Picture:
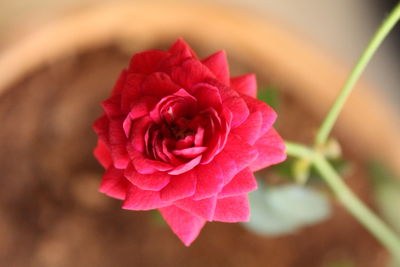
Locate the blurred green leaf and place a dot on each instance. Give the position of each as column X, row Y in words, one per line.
column 284, row 209
column 341, row 263
column 269, row 95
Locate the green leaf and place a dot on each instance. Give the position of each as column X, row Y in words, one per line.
column 269, row 95
column 285, row 209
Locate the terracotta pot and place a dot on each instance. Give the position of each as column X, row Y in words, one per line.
column 306, row 76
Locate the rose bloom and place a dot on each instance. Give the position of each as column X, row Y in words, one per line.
column 179, row 135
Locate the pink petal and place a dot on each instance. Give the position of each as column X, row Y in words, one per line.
column 236, row 156
column 102, row 154
column 207, row 96
column 189, row 152
column 271, row 150
column 158, row 84
column 245, row 84
column 218, row 64
column 111, row 106
column 147, row 62
column 268, row 114
column 190, row 72
column 147, row 166
column 198, row 138
column 154, row 182
column 184, row 224
column 126, row 125
column 114, row 183
column 131, row 91
column 204, row 208
column 181, row 48
column 250, row 129
column 119, row 85
column 139, row 128
column 186, row 166
column 210, row 180
column 100, row 126
column 138, row 199
column 236, row 104
column 243, row 182
column 118, row 142
column 180, row 186
column 232, row 209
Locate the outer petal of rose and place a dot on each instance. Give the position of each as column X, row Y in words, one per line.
column 210, row 180
column 236, row 156
column 102, row 154
column 204, row 208
column 184, row 224
column 120, row 83
column 111, row 106
column 245, row 84
column 232, row 209
column 218, row 64
column 250, row 129
column 271, row 150
column 236, row 104
column 147, row 61
column 158, row 84
column 100, row 126
column 130, row 93
column 114, row 183
column 243, row 182
column 118, row 141
column 154, row 182
column 138, row 199
column 181, row 48
column 179, row 187
column 190, row 72
column 207, row 96
column 268, row 114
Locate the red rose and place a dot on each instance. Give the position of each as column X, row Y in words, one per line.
column 179, row 135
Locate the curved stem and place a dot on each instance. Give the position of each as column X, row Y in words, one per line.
column 366, row 56
column 364, row 215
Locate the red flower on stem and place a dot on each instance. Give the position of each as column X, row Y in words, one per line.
column 179, row 135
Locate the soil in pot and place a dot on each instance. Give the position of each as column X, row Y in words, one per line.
column 52, row 214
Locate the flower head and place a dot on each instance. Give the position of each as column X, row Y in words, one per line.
column 179, row 135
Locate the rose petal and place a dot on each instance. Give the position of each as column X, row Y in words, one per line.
column 158, row 84
column 118, row 143
column 180, row 186
column 102, row 154
column 218, row 64
column 139, row 128
column 190, row 72
column 268, row 114
column 250, row 129
column 181, row 48
column 111, row 106
column 245, row 84
column 120, row 83
column 189, row 152
column 138, row 199
column 232, row 209
column 207, row 96
column 154, row 182
column 271, row 150
column 243, row 182
column 100, row 126
column 148, row 61
column 114, row 183
column 210, row 180
column 147, row 166
column 204, row 208
column 230, row 161
column 184, row 224
column 186, row 166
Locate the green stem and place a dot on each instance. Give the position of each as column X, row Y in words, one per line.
column 366, row 56
column 364, row 215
